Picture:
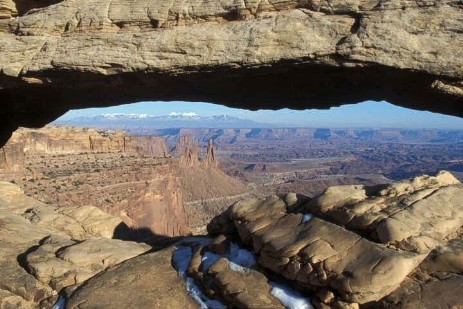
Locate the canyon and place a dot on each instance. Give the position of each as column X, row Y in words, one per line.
column 132, row 177
column 69, row 255
column 72, row 203
column 85, row 213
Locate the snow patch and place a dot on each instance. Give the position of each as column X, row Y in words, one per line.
column 238, row 268
column 60, row 303
column 241, row 257
column 184, row 115
column 182, row 258
column 307, row 218
column 208, row 260
column 204, row 302
column 240, row 260
column 290, row 298
column 123, row 115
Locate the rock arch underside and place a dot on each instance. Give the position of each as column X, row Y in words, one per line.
column 55, row 56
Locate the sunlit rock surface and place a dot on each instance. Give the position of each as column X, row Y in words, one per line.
column 251, row 54
column 41, row 252
column 69, row 140
column 421, row 218
column 261, row 253
column 147, row 281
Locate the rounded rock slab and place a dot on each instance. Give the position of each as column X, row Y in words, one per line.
column 147, row 281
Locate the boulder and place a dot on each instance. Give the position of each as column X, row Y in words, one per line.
column 146, row 281
column 398, row 225
column 44, row 249
column 61, row 263
column 413, row 215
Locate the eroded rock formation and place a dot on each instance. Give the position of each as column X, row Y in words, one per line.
column 188, row 151
column 363, row 244
column 132, row 177
column 69, row 140
column 46, row 250
column 207, row 190
column 158, row 208
column 210, row 154
column 251, row 54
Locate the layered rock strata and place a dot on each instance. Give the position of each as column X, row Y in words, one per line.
column 250, row 54
column 67, row 140
column 132, row 177
column 410, row 215
column 45, row 249
column 355, row 265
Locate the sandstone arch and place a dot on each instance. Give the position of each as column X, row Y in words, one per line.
column 251, row 54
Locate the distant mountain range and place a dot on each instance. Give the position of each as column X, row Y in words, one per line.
column 137, row 122
column 229, row 129
column 231, row 136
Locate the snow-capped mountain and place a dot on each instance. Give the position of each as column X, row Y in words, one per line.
column 123, row 116
column 173, row 120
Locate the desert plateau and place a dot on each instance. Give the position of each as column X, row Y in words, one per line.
column 298, row 154
column 204, row 213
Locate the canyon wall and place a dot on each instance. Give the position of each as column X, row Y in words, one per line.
column 158, row 209
column 67, row 140
column 132, row 177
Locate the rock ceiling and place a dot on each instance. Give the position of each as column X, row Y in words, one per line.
column 55, row 56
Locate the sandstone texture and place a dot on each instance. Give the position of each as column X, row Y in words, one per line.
column 250, row 54
column 158, row 208
column 44, row 249
column 223, row 274
column 257, row 246
column 360, row 244
column 411, row 215
column 68, row 140
column 132, row 177
column 147, row 281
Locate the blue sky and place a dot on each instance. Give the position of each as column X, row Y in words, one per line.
column 366, row 114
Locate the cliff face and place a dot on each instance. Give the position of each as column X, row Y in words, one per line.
column 250, row 54
column 188, row 151
column 158, row 209
column 207, row 190
column 153, row 146
column 127, row 176
column 67, row 140
column 132, row 177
